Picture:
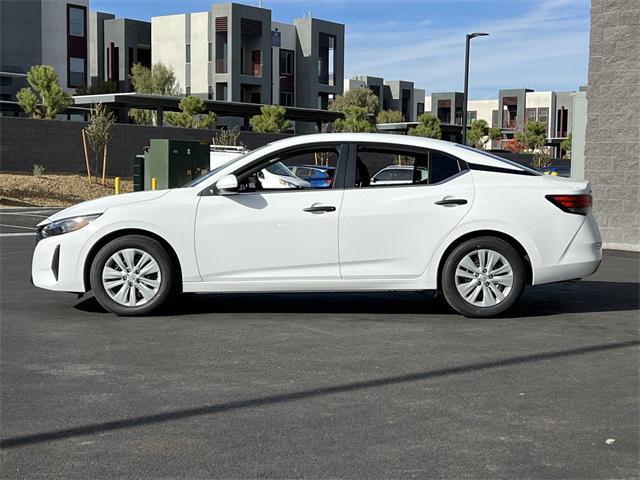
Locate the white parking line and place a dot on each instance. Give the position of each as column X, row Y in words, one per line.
column 16, row 235
column 16, row 226
column 24, row 214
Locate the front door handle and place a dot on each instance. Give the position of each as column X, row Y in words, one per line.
column 320, row 208
column 452, row 201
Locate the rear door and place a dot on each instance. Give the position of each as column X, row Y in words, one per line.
column 392, row 231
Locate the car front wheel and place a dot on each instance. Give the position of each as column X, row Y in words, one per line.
column 483, row 277
column 132, row 275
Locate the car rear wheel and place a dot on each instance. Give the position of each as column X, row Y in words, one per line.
column 132, row 275
column 483, row 277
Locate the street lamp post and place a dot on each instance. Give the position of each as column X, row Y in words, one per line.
column 466, row 83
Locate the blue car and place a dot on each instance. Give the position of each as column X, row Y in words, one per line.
column 319, row 176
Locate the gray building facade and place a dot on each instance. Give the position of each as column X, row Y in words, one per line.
column 447, row 107
column 237, row 53
column 612, row 150
column 319, row 62
column 512, row 110
column 396, row 95
column 43, row 32
column 116, row 45
column 400, row 95
column 242, row 44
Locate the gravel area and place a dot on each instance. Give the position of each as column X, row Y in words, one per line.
column 21, row 190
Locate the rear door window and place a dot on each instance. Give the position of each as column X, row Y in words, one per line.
column 390, row 165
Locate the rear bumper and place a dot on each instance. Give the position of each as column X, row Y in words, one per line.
column 581, row 258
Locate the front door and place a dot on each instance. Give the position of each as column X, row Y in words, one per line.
column 399, row 205
column 277, row 228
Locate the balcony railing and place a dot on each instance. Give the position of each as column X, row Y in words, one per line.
column 221, row 65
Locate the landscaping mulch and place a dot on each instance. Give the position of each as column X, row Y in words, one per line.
column 49, row 190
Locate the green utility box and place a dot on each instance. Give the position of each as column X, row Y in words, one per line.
column 173, row 163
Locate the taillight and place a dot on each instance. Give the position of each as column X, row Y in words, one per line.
column 580, row 204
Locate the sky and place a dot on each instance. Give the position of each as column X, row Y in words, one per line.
column 538, row 44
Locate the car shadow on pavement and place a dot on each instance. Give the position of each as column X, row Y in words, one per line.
column 553, row 299
column 218, row 408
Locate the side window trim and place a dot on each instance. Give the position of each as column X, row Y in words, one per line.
column 350, row 177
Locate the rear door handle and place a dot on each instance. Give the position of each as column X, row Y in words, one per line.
column 320, row 208
column 452, row 201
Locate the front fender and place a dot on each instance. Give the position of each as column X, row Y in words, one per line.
column 172, row 223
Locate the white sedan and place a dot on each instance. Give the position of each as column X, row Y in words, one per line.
column 476, row 228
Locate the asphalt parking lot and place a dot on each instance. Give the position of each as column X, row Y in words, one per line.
column 319, row 386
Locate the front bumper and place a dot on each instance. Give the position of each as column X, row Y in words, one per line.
column 57, row 265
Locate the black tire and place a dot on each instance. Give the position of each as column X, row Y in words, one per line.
column 147, row 245
column 448, row 279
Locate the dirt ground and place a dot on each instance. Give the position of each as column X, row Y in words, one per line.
column 49, row 190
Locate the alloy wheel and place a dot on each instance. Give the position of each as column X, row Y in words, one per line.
column 484, row 278
column 131, row 277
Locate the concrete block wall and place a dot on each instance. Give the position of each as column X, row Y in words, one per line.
column 612, row 150
column 57, row 144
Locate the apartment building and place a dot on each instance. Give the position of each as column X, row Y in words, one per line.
column 399, row 95
column 511, row 111
column 35, row 32
column 237, row 53
column 116, row 44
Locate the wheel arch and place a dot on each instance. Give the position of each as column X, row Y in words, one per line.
column 121, row 233
column 487, row 233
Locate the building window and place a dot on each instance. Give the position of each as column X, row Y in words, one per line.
column 144, row 57
column 188, row 91
column 531, row 115
column 323, row 101
column 543, row 115
column 443, row 111
column 76, row 71
column 188, row 53
column 286, row 99
column 76, row 46
column 494, row 118
column 509, row 112
column 562, row 121
column 221, row 91
column 221, row 44
column 113, row 63
column 210, row 52
column 131, row 60
column 286, row 62
column 76, row 21
column 327, row 59
column 420, row 109
column 471, row 116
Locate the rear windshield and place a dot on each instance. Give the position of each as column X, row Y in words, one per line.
column 501, row 159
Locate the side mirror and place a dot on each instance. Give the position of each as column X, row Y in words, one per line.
column 227, row 185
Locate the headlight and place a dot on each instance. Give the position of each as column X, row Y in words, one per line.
column 65, row 225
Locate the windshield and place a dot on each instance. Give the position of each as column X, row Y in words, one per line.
column 219, row 168
column 501, row 159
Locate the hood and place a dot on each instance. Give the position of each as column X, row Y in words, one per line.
column 100, row 205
